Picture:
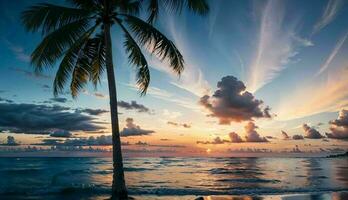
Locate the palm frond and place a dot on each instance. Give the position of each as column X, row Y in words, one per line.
column 69, row 61
column 81, row 72
column 85, row 4
column 160, row 45
column 48, row 17
column 153, row 9
column 98, row 59
column 129, row 6
column 137, row 58
column 200, row 7
column 55, row 44
column 197, row 6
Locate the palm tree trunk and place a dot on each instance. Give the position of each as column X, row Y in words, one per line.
column 119, row 190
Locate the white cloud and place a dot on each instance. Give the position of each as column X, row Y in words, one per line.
column 316, row 97
column 332, row 55
column 330, row 12
column 192, row 79
column 277, row 45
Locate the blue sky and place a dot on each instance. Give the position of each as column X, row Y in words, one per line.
column 289, row 54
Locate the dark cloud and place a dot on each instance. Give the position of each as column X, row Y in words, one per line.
column 59, row 99
column 250, row 150
column 285, row 135
column 5, row 100
column 296, row 149
column 133, row 105
column 140, row 143
column 297, row 137
column 92, row 111
column 45, row 86
column 10, row 141
column 90, row 141
column 231, row 103
column 235, row 138
column 132, row 129
column 252, row 135
column 179, row 124
column 216, row 140
column 100, row 95
column 339, row 126
column 43, row 119
column 61, row 133
column 311, row 133
column 294, row 137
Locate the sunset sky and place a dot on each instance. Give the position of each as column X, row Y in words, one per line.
column 258, row 74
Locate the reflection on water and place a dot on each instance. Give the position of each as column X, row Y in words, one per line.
column 163, row 177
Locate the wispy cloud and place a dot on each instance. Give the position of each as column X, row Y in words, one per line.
column 277, row 45
column 316, row 98
column 18, row 51
column 332, row 55
column 168, row 96
column 192, row 79
column 330, row 12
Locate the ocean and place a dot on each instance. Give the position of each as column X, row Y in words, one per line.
column 175, row 178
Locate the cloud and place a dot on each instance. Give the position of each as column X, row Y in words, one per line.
column 167, row 96
column 276, row 46
column 216, row 140
column 297, row 137
column 235, row 138
column 42, row 119
column 332, row 55
column 179, row 124
column 317, row 97
column 132, row 129
column 140, row 143
column 45, row 86
column 330, row 12
column 231, row 103
column 31, row 74
column 311, row 133
column 5, row 100
column 192, row 79
column 296, row 149
column 133, row 105
column 252, row 135
column 339, row 126
column 18, row 51
column 285, row 135
column 90, row 141
column 100, row 95
column 59, row 99
column 294, row 137
column 10, row 141
column 92, row 111
column 61, row 133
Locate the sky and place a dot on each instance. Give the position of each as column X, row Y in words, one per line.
column 260, row 76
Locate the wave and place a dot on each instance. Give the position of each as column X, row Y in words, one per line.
column 248, row 180
column 147, row 190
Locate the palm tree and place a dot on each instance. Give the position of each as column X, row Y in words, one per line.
column 79, row 37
